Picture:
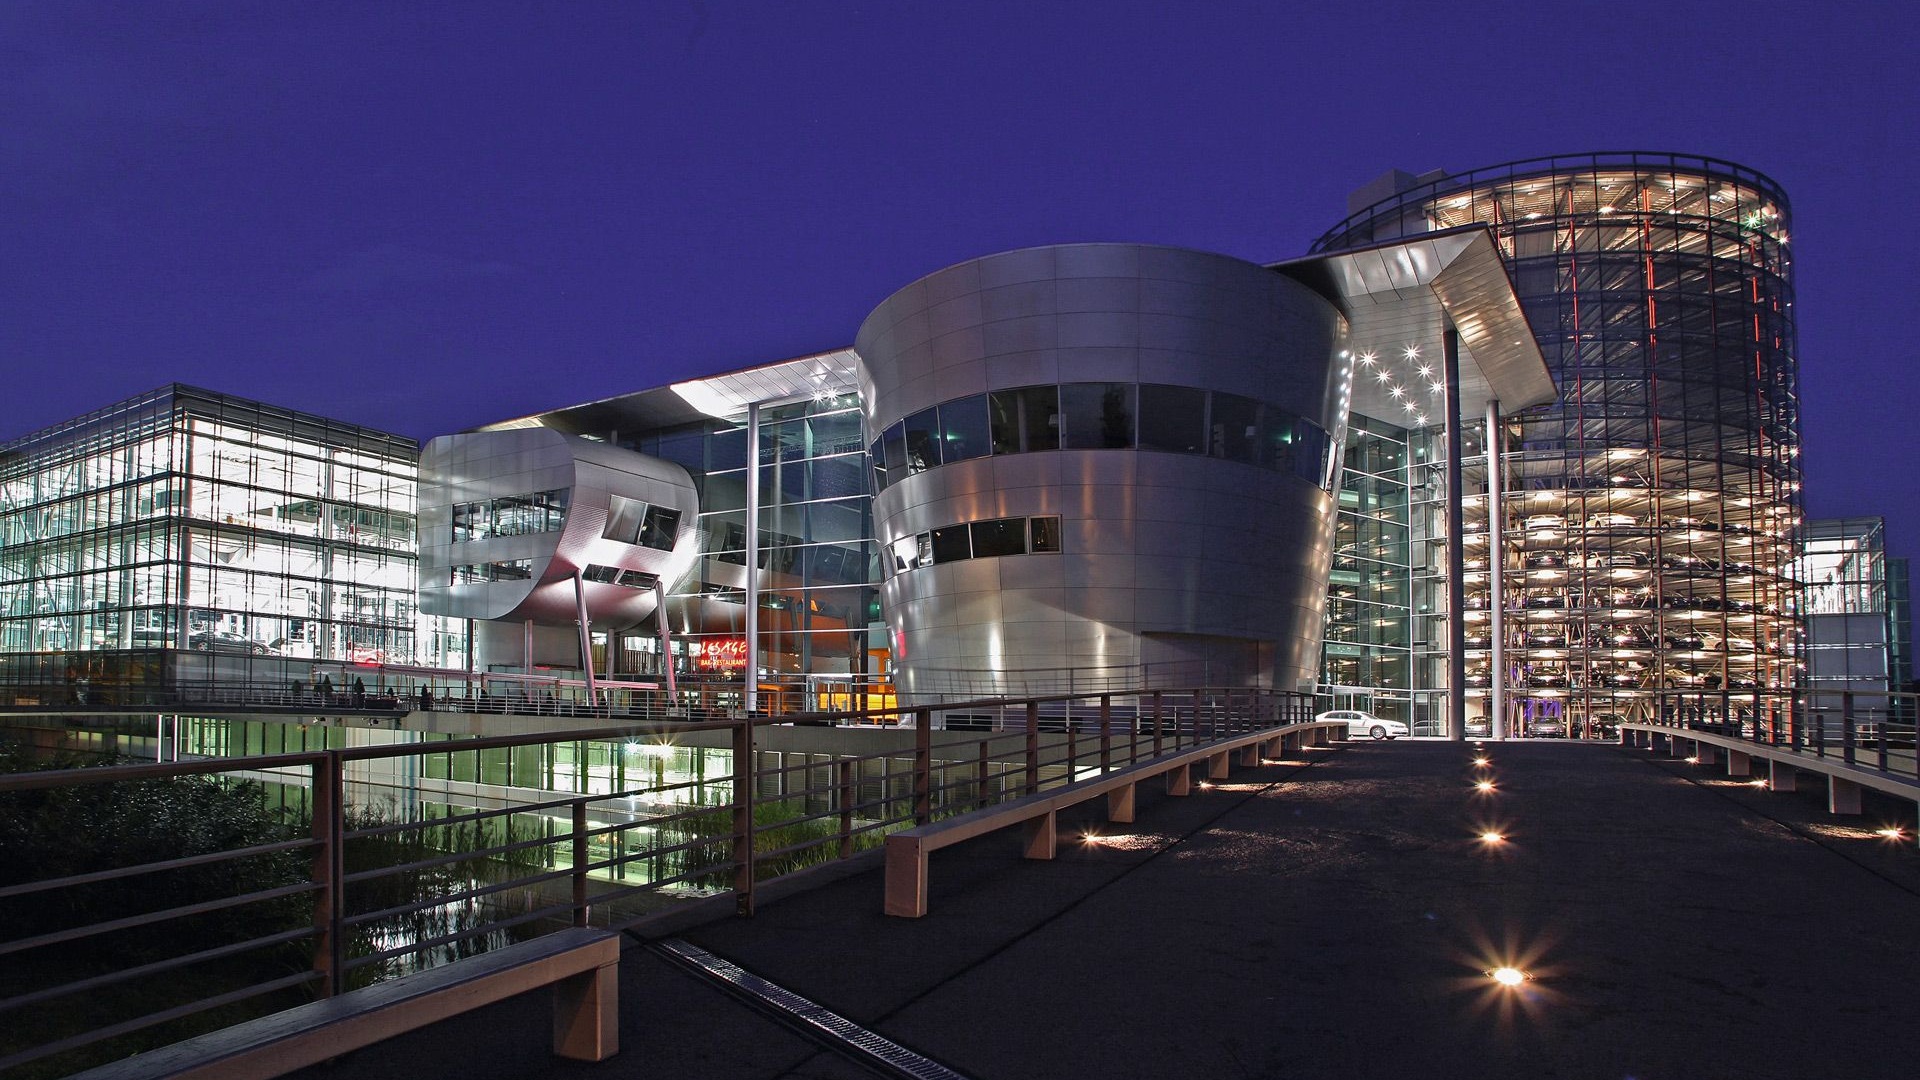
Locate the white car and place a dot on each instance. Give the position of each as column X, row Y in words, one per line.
column 1367, row 724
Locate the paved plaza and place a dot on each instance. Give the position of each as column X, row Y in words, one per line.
column 1333, row 916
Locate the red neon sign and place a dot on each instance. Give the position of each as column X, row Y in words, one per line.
column 727, row 654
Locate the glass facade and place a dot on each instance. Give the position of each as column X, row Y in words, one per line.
column 1652, row 515
column 1369, row 633
column 1859, row 629
column 186, row 535
column 817, row 556
column 1102, row 416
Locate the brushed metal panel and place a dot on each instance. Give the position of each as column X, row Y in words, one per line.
column 1095, row 363
column 1027, row 264
column 1098, row 260
column 1022, row 300
column 1097, row 294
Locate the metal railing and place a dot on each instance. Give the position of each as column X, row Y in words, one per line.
column 1867, row 729
column 346, row 893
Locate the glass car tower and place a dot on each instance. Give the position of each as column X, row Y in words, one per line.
column 1652, row 514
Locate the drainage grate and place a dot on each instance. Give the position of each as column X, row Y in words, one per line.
column 835, row 1031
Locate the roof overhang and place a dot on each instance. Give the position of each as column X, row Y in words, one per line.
column 1399, row 298
column 725, row 396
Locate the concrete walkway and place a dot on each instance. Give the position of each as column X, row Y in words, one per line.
column 1332, row 919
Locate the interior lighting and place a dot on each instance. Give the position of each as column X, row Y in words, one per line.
column 1368, row 358
column 1384, row 375
column 1412, row 352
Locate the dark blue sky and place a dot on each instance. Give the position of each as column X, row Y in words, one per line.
column 427, row 216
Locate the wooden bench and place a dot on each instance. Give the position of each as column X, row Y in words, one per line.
column 581, row 964
column 908, row 850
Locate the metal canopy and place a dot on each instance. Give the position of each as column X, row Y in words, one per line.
column 1399, row 297
column 724, row 396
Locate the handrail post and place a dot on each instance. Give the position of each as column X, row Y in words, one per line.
column 1847, row 733
column 983, row 772
column 844, row 770
column 744, row 796
column 1033, row 746
column 579, row 862
column 922, row 766
column 1106, row 733
column 328, row 828
column 1159, row 724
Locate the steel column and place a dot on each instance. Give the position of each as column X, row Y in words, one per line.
column 1496, row 574
column 751, row 698
column 1456, row 551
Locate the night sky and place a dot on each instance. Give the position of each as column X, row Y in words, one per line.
column 426, row 216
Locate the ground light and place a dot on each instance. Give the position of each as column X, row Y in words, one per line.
column 1507, row 976
column 1483, row 785
column 1482, row 762
column 1693, row 761
column 1757, row 783
column 1491, row 837
column 1891, row 832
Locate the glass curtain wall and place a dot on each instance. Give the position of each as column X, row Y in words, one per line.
column 1855, row 614
column 1653, row 513
column 1368, row 644
column 817, row 557
column 235, row 535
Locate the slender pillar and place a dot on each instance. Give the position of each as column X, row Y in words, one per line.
column 752, row 674
column 586, row 634
column 666, row 634
column 1456, row 551
column 1496, row 573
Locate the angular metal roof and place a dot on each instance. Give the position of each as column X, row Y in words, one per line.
column 1399, row 297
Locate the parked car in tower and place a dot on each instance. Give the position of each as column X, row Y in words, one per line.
column 1610, row 521
column 1546, row 727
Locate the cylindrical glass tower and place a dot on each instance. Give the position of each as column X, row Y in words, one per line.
column 1652, row 514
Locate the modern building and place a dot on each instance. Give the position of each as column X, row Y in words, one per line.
column 184, row 538
column 1050, row 469
column 1645, row 525
column 1859, row 622
column 1099, row 464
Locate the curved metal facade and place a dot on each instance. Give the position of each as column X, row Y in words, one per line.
column 1652, row 512
column 509, row 518
column 1106, row 458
